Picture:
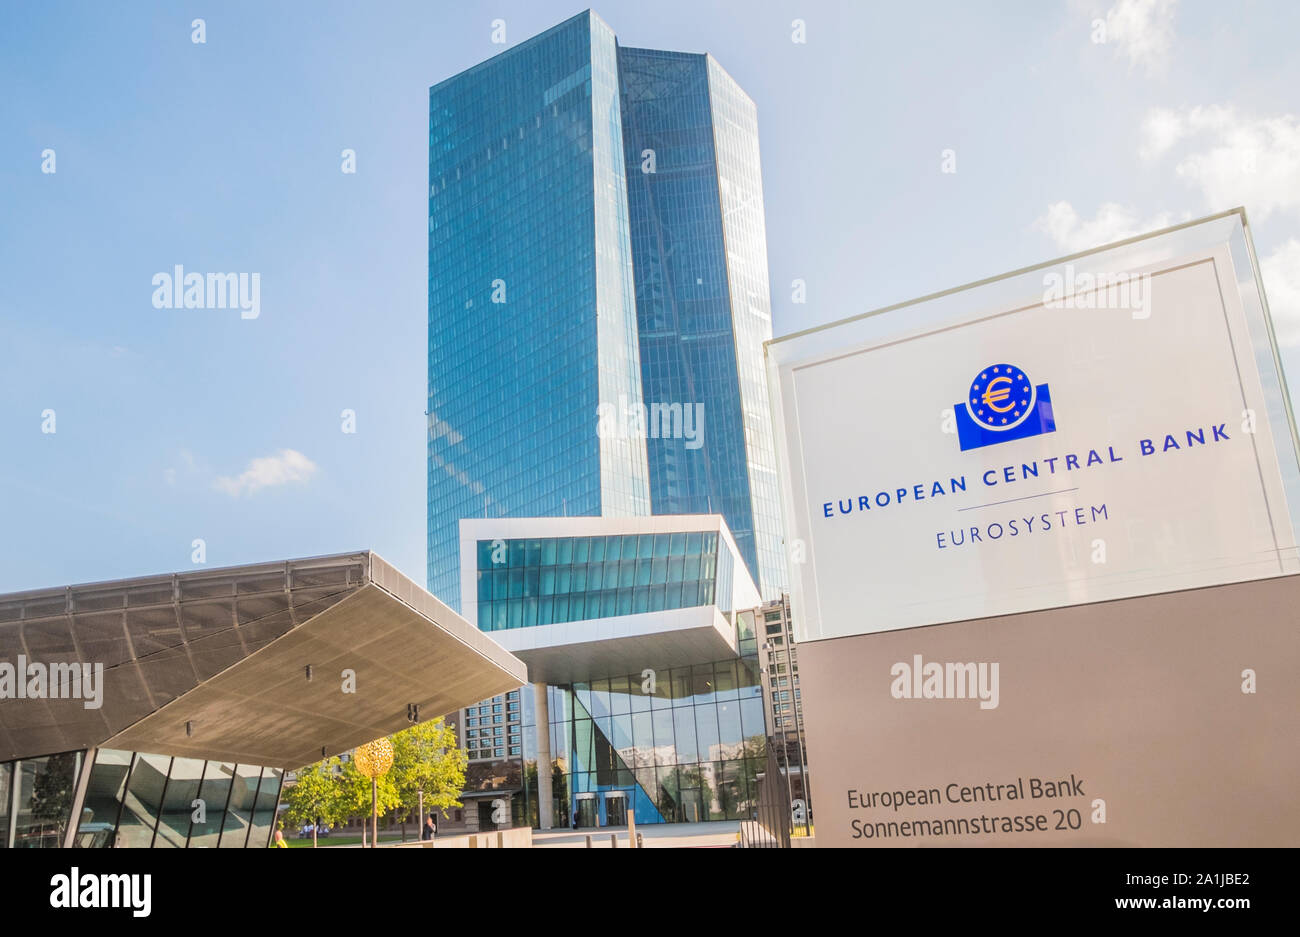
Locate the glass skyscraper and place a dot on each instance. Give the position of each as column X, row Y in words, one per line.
column 699, row 251
column 596, row 241
column 532, row 321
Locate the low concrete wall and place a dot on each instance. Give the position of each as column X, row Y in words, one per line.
column 519, row 838
column 803, row 842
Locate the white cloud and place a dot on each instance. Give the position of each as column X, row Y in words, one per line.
column 1113, row 222
column 1281, row 273
column 1161, row 129
column 1143, row 30
column 288, row 465
column 1232, row 158
column 189, row 465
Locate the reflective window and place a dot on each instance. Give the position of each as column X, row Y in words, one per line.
column 729, row 732
column 44, row 788
column 177, row 805
column 529, row 143
column 268, row 798
column 706, row 730
column 140, row 800
column 239, row 809
column 677, row 750
column 684, row 730
column 214, row 792
column 619, row 577
column 144, row 793
column 107, row 784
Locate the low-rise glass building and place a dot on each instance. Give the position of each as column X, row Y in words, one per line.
column 640, row 642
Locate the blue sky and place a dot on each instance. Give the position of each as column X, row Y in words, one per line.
column 172, row 425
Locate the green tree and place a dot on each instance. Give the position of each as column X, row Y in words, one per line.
column 426, row 759
column 52, row 795
column 356, row 788
column 319, row 796
column 754, row 764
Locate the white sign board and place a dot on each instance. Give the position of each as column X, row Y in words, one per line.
column 1086, row 444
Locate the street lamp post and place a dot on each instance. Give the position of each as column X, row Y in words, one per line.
column 373, row 759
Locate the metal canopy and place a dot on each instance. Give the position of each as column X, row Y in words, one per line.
column 213, row 664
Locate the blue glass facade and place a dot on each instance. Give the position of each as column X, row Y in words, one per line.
column 569, row 274
column 685, row 748
column 523, row 583
column 699, row 250
column 683, row 744
column 596, row 239
column 744, row 231
column 693, row 349
column 531, row 313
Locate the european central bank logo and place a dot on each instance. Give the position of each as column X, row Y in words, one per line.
column 1003, row 404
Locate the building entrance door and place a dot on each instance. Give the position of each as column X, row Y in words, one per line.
column 615, row 808
column 586, row 807
column 692, row 806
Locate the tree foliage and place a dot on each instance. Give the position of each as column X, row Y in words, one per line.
column 52, row 791
column 357, row 788
column 426, row 758
column 319, row 795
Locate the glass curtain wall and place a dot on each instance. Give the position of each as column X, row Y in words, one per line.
column 143, row 800
column 695, row 203
column 522, row 583
column 683, row 745
column 37, row 800
column 532, row 319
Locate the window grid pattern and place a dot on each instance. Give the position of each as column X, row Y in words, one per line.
column 740, row 185
column 703, row 309
column 144, row 800
column 492, row 728
column 36, row 800
column 531, row 316
column 523, row 583
column 686, row 747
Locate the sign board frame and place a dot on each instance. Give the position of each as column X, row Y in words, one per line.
column 824, row 603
